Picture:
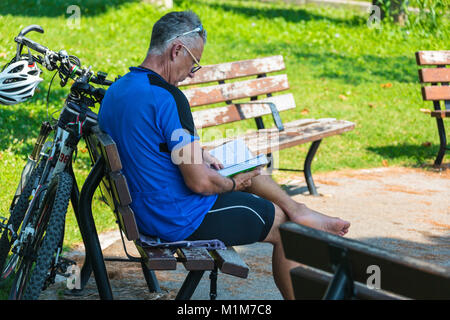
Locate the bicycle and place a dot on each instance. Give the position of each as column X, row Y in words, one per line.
column 34, row 233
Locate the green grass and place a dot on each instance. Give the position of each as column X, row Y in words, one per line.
column 336, row 66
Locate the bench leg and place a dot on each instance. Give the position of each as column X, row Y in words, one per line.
column 341, row 286
column 307, row 167
column 189, row 285
column 86, row 269
column 213, row 286
column 89, row 232
column 150, row 278
column 443, row 142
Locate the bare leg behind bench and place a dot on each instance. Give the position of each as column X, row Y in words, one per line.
column 264, row 186
column 286, row 209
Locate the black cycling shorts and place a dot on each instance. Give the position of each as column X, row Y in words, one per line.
column 237, row 218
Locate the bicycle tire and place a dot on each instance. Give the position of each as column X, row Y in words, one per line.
column 49, row 236
column 18, row 213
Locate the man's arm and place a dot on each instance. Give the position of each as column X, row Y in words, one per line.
column 201, row 178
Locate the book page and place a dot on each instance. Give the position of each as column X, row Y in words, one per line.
column 236, row 157
column 232, row 152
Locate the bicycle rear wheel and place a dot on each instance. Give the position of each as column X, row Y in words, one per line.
column 40, row 253
column 17, row 215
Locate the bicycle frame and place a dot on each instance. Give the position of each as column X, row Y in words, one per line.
column 63, row 154
column 74, row 123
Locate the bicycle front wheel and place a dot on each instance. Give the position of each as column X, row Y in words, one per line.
column 40, row 254
column 17, row 216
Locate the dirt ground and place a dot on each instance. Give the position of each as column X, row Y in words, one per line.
column 399, row 209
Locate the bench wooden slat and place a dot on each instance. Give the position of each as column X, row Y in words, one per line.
column 158, row 259
column 235, row 112
column 230, row 262
column 434, row 75
column 129, row 222
column 119, row 187
column 310, row 283
column 126, row 217
column 425, row 58
column 403, row 275
column 236, row 69
column 236, row 90
column 436, row 93
column 296, row 132
column 109, row 151
column 196, row 259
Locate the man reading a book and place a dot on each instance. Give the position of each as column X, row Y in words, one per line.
column 150, row 120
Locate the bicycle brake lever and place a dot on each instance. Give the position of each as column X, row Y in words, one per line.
column 22, row 33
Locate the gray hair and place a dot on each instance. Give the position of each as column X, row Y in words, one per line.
column 172, row 26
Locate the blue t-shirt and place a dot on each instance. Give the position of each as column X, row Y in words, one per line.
column 148, row 118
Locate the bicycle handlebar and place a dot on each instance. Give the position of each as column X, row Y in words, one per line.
column 31, row 44
column 52, row 57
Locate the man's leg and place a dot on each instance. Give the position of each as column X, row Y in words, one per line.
column 239, row 218
column 264, row 186
column 280, row 265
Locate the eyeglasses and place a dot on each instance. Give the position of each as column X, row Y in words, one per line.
column 197, row 65
column 199, row 29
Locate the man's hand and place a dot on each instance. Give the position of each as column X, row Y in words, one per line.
column 203, row 179
column 244, row 180
column 211, row 161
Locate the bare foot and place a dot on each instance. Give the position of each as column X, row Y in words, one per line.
column 316, row 220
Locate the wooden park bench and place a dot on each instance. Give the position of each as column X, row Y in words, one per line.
column 253, row 98
column 336, row 268
column 243, row 99
column 438, row 94
column 107, row 175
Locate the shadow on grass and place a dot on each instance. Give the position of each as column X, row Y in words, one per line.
column 348, row 69
column 421, row 154
column 366, row 68
column 52, row 8
column 18, row 129
column 20, row 124
column 292, row 14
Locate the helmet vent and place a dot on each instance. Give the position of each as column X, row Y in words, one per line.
column 14, row 89
column 16, row 69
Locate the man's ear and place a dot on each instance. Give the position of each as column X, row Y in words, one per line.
column 175, row 51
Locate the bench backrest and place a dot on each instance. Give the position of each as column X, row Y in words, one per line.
column 437, row 74
column 113, row 186
column 401, row 275
column 233, row 93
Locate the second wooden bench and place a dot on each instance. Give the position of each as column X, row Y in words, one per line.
column 438, row 94
column 251, row 98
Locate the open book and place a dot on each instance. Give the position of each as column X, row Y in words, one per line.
column 236, row 157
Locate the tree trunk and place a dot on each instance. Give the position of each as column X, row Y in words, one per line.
column 396, row 9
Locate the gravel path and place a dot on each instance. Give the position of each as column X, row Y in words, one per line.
column 403, row 210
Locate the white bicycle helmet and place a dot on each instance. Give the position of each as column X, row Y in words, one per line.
column 18, row 82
